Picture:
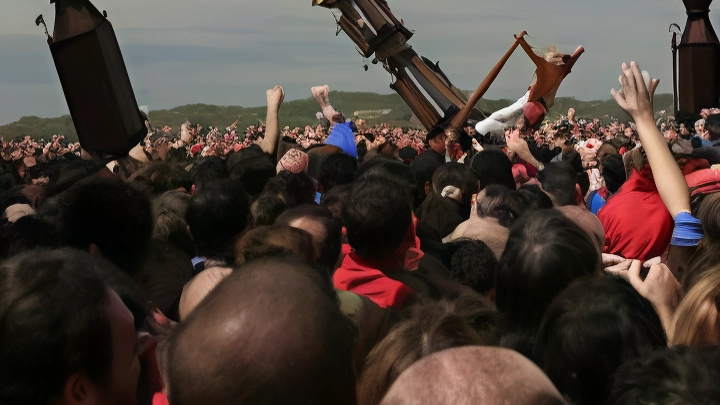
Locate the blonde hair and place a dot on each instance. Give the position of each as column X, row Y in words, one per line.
column 696, row 318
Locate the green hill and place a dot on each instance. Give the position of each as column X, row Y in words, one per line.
column 302, row 112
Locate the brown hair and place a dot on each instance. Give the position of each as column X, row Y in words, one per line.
column 696, row 318
column 432, row 327
column 708, row 253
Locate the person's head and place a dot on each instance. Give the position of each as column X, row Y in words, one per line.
column 275, row 241
column 325, row 229
column 295, row 188
column 252, row 167
column 591, row 328
column 678, row 375
column 545, row 252
column 431, row 328
column 436, row 139
column 336, row 170
column 473, row 264
column 169, row 225
column 67, row 337
column 266, row 208
column 613, row 171
column 105, row 217
column 697, row 318
column 559, row 181
column 496, row 201
column 158, row 177
column 473, row 375
column 335, row 199
column 493, row 167
column 269, row 308
column 217, row 213
column 377, row 216
column 457, row 175
column 712, row 125
column 208, row 169
column 708, row 254
column 28, row 232
column 534, row 196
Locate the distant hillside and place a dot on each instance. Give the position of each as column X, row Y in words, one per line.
column 302, row 112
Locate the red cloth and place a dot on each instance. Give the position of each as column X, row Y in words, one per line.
column 636, row 222
column 362, row 277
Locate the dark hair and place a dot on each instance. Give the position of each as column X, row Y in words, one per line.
column 328, row 249
column 493, row 167
column 473, row 264
column 386, row 166
column 336, row 170
column 54, row 323
column 496, row 201
column 335, row 199
column 544, row 253
column 589, row 330
column 429, row 328
column 252, row 167
column 377, row 216
column 613, row 172
column 158, row 177
column 458, row 175
column 28, row 232
column 208, row 169
column 169, row 210
column 295, row 188
column 679, row 375
column 266, row 208
column 559, row 180
column 536, row 198
column 108, row 213
column 275, row 241
column 217, row 213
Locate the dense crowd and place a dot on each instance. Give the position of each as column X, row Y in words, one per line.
column 576, row 262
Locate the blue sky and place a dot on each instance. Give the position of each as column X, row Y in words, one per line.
column 228, row 52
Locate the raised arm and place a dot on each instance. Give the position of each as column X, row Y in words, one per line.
column 636, row 99
column 275, row 98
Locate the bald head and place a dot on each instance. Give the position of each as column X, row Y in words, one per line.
column 272, row 332
column 473, row 375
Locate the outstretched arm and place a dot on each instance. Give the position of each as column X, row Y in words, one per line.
column 275, row 98
column 636, row 99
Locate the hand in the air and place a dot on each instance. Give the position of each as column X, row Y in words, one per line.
column 275, row 96
column 635, row 97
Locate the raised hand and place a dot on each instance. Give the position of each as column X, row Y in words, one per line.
column 635, row 96
column 275, row 96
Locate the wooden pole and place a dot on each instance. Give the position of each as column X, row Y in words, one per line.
column 461, row 116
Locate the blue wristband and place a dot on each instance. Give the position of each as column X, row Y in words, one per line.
column 688, row 230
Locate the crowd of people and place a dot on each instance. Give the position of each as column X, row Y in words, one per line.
column 573, row 263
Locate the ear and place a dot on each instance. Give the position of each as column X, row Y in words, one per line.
column 427, row 188
column 77, row 390
column 490, row 295
column 94, row 250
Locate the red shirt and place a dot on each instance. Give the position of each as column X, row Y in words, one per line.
column 362, row 277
